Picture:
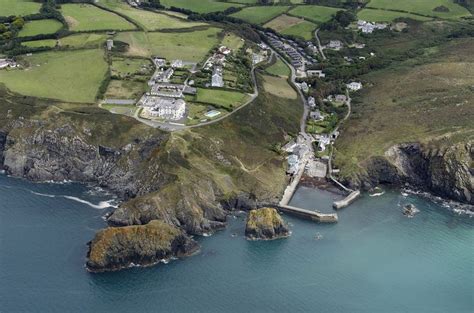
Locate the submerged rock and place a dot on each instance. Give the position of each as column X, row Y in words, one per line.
column 115, row 248
column 265, row 224
column 410, row 210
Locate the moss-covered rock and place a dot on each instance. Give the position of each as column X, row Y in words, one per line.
column 265, row 224
column 115, row 248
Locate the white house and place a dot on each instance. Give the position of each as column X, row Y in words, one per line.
column 354, row 86
column 311, row 102
column 217, row 80
column 177, row 63
column 335, row 45
column 313, row 73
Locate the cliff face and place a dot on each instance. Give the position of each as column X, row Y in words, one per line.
column 265, row 224
column 445, row 171
column 115, row 248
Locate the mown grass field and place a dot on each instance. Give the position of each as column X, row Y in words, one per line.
column 73, row 76
column 127, row 66
column 199, row 6
column 260, row 15
column 188, row 46
column 420, row 100
column 424, row 7
column 290, row 25
column 279, row 87
column 39, row 27
column 387, row 16
column 18, row 7
column 279, row 68
column 314, row 13
column 84, row 17
column 221, row 98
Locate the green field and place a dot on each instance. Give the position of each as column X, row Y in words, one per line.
column 232, row 41
column 127, row 66
column 18, row 7
column 278, row 86
column 200, row 6
column 188, row 46
column 260, row 15
column 149, row 20
column 278, row 68
column 125, row 89
column 73, row 76
column 40, row 43
column 314, row 13
column 39, row 27
column 424, row 7
column 221, row 98
column 290, row 25
column 387, row 16
column 84, row 17
column 83, row 40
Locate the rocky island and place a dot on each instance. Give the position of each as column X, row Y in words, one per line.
column 265, row 224
column 115, row 248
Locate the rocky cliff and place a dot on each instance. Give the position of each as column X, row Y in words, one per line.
column 265, row 224
column 115, row 248
column 445, row 170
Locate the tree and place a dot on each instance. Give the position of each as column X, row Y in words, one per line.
column 18, row 22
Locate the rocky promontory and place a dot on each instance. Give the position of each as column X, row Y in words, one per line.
column 265, row 224
column 115, row 248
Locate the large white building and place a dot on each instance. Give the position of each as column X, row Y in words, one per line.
column 165, row 108
column 217, row 80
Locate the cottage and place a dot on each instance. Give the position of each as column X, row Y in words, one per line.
column 159, row 62
column 324, row 140
column 293, row 163
column 316, row 115
column 304, row 87
column 335, row 45
column 224, row 50
column 315, row 73
column 217, row 80
column 354, row 86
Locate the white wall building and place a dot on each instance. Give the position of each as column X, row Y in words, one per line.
column 354, row 86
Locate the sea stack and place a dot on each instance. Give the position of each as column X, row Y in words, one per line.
column 265, row 224
column 115, row 248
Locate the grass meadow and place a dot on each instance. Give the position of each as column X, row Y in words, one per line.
column 314, row 13
column 387, row 16
column 424, row 7
column 39, row 27
column 18, row 7
column 278, row 86
column 40, row 43
column 189, row 46
column 199, row 6
column 290, row 25
column 260, row 15
column 85, row 17
column 221, row 98
column 73, row 76
column 279, row 68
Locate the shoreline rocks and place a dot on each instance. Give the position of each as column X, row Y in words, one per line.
column 265, row 224
column 116, row 248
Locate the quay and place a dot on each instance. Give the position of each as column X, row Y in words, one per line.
column 347, row 200
column 308, row 214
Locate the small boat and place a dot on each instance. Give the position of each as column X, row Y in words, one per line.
column 410, row 210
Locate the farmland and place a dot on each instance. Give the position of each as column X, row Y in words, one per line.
column 221, row 98
column 199, row 6
column 73, row 76
column 260, row 15
column 314, row 13
column 189, row 46
column 423, row 7
column 387, row 16
column 85, row 17
column 39, row 27
column 232, row 41
column 149, row 20
column 18, row 7
column 83, row 40
column 40, row 43
column 290, row 25
column 121, row 89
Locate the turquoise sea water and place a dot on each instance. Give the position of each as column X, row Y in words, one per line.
column 373, row 260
